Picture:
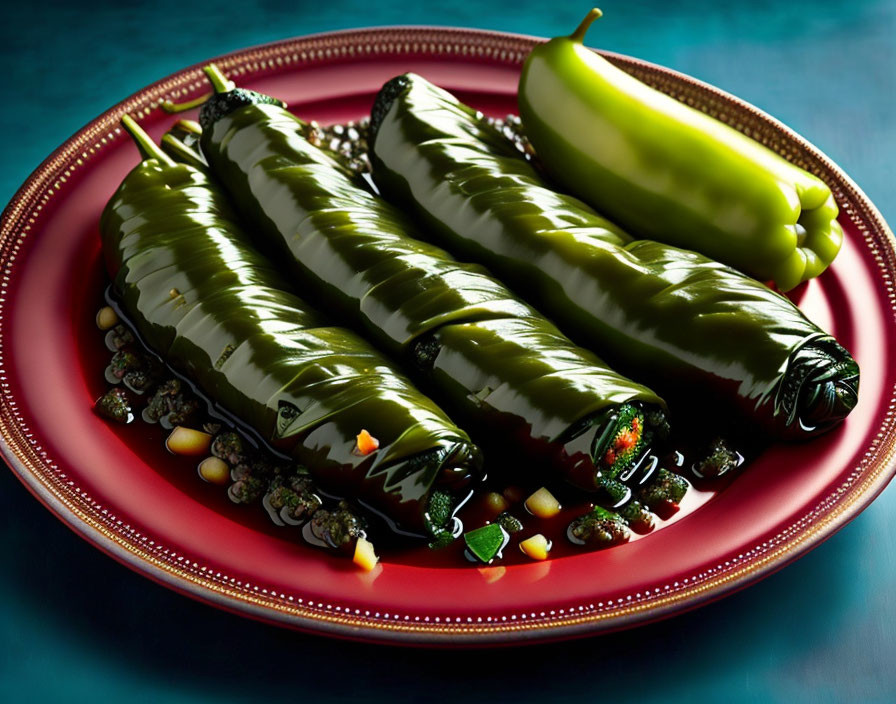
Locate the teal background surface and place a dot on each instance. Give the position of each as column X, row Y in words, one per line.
column 77, row 626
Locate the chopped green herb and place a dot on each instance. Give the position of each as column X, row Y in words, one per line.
column 626, row 442
column 613, row 491
column 439, row 510
column 442, row 539
column 487, row 542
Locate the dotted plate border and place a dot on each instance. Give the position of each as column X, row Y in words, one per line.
column 40, row 473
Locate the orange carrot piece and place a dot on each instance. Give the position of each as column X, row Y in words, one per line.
column 366, row 443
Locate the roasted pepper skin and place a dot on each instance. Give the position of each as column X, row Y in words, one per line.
column 668, row 172
column 219, row 313
column 691, row 327
column 481, row 351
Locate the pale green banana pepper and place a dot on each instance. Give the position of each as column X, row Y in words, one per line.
column 670, row 173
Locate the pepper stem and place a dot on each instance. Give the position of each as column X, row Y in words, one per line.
column 579, row 35
column 218, row 80
column 148, row 148
column 179, row 151
column 173, row 108
column 190, row 126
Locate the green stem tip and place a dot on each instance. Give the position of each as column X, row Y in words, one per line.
column 218, row 80
column 173, row 108
column 180, row 152
column 190, row 126
column 579, row 35
column 148, row 148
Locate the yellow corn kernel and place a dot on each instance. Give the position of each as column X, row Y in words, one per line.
column 186, row 441
column 214, row 470
column 106, row 318
column 537, row 547
column 543, row 504
column 364, row 556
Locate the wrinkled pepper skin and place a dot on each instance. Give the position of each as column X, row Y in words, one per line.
column 220, row 314
column 492, row 359
column 689, row 326
column 668, row 172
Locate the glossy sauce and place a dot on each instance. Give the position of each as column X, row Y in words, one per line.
column 182, row 471
column 475, row 514
column 149, row 439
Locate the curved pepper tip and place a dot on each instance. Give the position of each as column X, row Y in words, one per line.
column 820, row 388
column 461, row 466
column 222, row 104
column 219, row 81
column 388, row 93
column 148, row 149
column 227, row 98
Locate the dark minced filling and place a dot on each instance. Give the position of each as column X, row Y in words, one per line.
column 222, row 104
column 384, row 99
column 627, row 432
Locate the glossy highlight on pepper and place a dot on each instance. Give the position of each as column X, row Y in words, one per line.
column 668, row 172
column 702, row 333
column 219, row 313
column 490, row 358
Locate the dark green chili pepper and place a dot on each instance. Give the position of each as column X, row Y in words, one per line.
column 219, row 313
column 689, row 326
column 493, row 358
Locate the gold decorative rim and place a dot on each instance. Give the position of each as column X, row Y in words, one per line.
column 39, row 472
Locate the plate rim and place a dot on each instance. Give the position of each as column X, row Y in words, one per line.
column 36, row 472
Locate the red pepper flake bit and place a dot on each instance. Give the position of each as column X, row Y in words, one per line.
column 366, row 443
column 626, row 440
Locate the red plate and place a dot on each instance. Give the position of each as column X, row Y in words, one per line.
column 84, row 471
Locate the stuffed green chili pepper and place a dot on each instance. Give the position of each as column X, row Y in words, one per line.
column 671, row 317
column 218, row 312
column 490, row 357
column 668, row 172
